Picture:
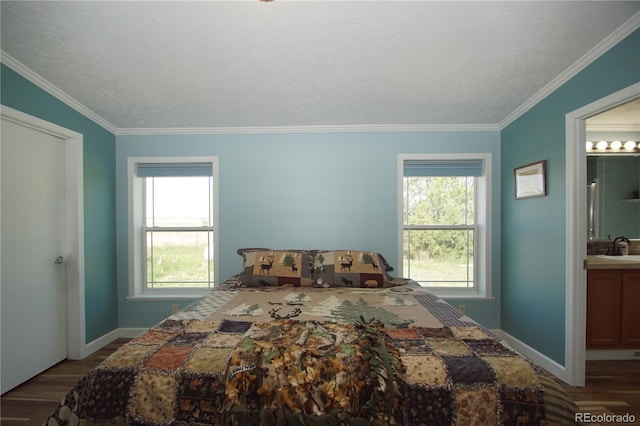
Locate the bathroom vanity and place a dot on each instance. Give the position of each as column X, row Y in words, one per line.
column 613, row 302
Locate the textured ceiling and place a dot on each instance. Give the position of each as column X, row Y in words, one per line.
column 293, row 63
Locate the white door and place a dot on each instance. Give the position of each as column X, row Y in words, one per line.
column 33, row 292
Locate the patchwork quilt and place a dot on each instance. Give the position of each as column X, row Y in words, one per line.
column 316, row 356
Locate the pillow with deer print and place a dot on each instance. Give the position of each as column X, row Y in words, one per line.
column 267, row 267
column 350, row 268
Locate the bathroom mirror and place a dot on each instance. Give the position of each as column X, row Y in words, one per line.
column 613, row 174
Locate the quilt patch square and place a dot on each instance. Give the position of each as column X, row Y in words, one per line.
column 200, row 399
column 202, row 326
column 108, row 394
column 187, row 339
column 404, row 334
column 407, row 340
column 168, row 358
column 228, row 326
column 470, row 333
column 152, row 337
column 513, row 371
column 428, row 406
column 425, row 369
column 171, row 325
column 153, row 398
column 223, row 340
column 449, row 347
column 522, row 408
column 444, row 332
column 476, row 406
column 488, row 347
column 129, row 356
column 468, row 370
column 209, row 360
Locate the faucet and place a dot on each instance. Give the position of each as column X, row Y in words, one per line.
column 614, row 250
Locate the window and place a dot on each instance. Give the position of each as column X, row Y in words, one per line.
column 444, row 225
column 173, row 216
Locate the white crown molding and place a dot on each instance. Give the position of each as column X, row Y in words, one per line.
column 312, row 129
column 614, row 38
column 48, row 87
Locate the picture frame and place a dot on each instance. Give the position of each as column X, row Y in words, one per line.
column 531, row 180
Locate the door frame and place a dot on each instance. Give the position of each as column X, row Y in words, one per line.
column 576, row 224
column 74, row 224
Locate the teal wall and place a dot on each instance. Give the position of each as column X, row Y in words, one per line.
column 307, row 190
column 101, row 303
column 534, row 230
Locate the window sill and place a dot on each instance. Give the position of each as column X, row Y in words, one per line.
column 459, row 294
column 166, row 296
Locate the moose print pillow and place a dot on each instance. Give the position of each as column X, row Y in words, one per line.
column 275, row 268
column 349, row 268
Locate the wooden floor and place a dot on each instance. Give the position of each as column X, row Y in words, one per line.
column 612, row 387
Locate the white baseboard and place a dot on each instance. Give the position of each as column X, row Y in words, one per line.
column 100, row 342
column 539, row 358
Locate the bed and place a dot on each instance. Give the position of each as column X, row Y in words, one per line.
column 316, row 338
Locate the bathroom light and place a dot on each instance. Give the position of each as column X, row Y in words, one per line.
column 602, row 145
column 615, row 145
column 612, row 148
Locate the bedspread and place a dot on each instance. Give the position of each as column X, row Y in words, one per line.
column 281, row 355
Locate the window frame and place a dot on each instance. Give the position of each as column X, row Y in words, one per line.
column 483, row 226
column 137, row 231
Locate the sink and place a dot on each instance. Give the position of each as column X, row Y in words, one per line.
column 629, row 258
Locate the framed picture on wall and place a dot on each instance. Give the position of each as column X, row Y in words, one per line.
column 530, row 180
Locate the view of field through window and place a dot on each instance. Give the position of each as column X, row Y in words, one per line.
column 179, row 232
column 439, row 230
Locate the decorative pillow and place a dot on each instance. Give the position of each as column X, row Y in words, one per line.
column 387, row 266
column 242, row 251
column 350, row 268
column 267, row 267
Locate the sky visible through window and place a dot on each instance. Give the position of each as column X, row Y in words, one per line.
column 178, row 201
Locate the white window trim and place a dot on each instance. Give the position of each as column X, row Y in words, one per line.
column 484, row 226
column 137, row 262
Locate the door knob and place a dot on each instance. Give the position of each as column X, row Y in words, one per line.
column 59, row 260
